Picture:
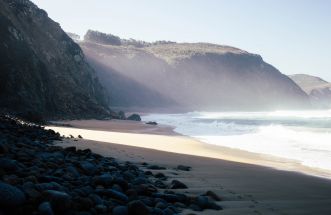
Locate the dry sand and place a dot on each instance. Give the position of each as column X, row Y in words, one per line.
column 239, row 177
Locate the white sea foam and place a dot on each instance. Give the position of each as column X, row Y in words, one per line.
column 304, row 136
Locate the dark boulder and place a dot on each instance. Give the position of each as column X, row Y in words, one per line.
column 45, row 208
column 160, row 175
column 184, row 168
column 156, row 167
column 113, row 194
column 120, row 210
column 88, row 167
column 175, row 184
column 134, row 117
column 151, row 123
column 121, row 115
column 105, row 180
column 60, row 201
column 213, row 195
column 205, row 203
column 10, row 196
column 8, row 164
column 138, row 208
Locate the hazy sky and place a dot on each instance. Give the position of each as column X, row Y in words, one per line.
column 292, row 35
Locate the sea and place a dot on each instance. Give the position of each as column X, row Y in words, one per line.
column 303, row 136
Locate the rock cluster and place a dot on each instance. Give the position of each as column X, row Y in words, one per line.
column 37, row 177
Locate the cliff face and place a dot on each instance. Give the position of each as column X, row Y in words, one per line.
column 41, row 69
column 319, row 90
column 196, row 76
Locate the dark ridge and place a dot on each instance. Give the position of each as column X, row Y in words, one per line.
column 42, row 71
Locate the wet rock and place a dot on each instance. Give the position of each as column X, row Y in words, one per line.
column 202, row 201
column 96, row 199
column 72, row 171
column 160, row 175
column 88, row 167
column 10, row 196
column 205, row 203
column 105, row 179
column 140, row 180
column 160, row 184
column 195, row 207
column 145, row 189
column 213, row 195
column 101, row 208
column 45, row 208
column 156, row 167
column 175, row 184
column 134, row 117
column 3, row 147
column 172, row 198
column 137, row 208
column 70, row 149
column 120, row 210
column 168, row 211
column 184, row 168
column 121, row 115
column 113, row 194
column 49, row 186
column 148, row 173
column 151, row 123
column 157, row 211
column 60, row 201
column 161, row 205
column 8, row 164
column 83, row 203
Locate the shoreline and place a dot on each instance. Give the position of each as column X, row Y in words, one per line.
column 122, row 129
column 244, row 188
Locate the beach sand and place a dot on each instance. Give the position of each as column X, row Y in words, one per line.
column 248, row 183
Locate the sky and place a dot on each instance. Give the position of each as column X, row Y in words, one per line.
column 292, row 35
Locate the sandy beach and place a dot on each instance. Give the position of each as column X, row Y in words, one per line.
column 248, row 183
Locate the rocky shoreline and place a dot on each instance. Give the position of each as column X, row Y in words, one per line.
column 37, row 177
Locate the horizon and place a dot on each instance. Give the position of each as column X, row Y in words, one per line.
column 288, row 35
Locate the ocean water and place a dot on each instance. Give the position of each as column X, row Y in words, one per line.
column 303, row 136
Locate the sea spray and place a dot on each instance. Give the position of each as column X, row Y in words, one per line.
column 303, row 136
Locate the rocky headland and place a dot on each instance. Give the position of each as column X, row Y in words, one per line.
column 44, row 73
column 318, row 90
column 188, row 76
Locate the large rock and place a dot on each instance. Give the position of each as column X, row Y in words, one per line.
column 60, row 201
column 137, row 208
column 120, row 210
column 45, row 208
column 175, row 184
column 134, row 117
column 10, row 196
column 113, row 194
column 8, row 164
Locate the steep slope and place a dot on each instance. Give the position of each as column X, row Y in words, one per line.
column 319, row 90
column 41, row 69
column 197, row 76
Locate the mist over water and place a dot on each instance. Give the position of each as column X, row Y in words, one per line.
column 303, row 136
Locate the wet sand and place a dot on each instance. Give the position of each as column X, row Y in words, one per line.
column 248, row 183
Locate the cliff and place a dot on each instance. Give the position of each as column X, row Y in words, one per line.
column 319, row 90
column 42, row 71
column 191, row 76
